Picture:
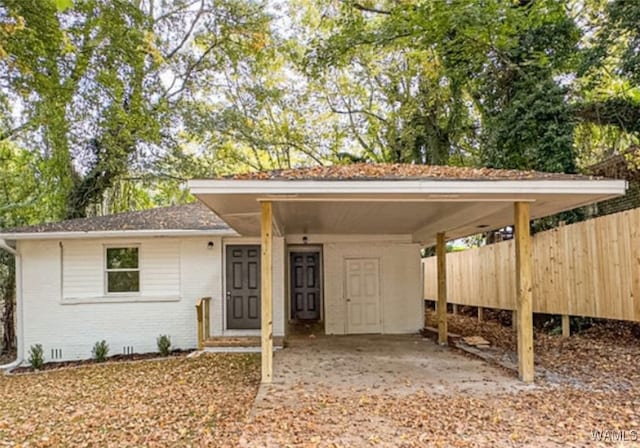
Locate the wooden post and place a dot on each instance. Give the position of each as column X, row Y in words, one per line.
column 566, row 326
column 480, row 314
column 199, row 319
column 441, row 309
column 266, row 280
column 524, row 298
column 455, row 308
column 207, row 317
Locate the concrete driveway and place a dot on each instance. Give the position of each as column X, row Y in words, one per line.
column 389, row 364
column 313, row 373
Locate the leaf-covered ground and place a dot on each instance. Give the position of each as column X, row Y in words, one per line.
column 205, row 401
column 598, row 403
column 541, row 418
column 201, row 401
column 604, row 357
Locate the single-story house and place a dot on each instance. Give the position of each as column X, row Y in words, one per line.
column 338, row 245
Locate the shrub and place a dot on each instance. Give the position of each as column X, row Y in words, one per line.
column 100, row 351
column 164, row 344
column 36, row 356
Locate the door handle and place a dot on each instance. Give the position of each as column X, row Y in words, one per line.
column 228, row 295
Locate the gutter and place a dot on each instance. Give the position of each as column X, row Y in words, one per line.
column 19, row 309
column 124, row 234
column 470, row 188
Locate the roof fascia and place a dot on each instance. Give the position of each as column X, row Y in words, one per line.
column 467, row 187
column 115, row 234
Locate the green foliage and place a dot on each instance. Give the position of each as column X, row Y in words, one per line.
column 164, row 344
column 63, row 4
column 100, row 351
column 36, row 356
column 111, row 106
column 462, row 82
column 533, row 131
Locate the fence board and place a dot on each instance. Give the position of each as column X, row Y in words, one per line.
column 588, row 269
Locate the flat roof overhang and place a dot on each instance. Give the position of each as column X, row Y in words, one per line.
column 421, row 208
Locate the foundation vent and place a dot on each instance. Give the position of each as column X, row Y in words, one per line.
column 56, row 353
column 127, row 350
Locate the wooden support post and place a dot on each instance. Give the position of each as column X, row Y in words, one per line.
column 266, row 279
column 480, row 314
column 455, row 308
column 441, row 309
column 566, row 326
column 200, row 328
column 524, row 298
column 207, row 317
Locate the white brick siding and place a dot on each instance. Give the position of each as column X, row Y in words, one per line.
column 174, row 274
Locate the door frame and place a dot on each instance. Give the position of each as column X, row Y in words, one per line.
column 292, row 248
column 344, row 294
column 225, row 243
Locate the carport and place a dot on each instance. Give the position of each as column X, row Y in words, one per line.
column 428, row 204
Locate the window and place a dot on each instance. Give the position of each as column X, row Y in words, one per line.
column 123, row 270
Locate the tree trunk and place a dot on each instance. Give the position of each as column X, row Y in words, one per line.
column 7, row 289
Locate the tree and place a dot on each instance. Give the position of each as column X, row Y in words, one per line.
column 477, row 67
column 104, row 88
column 19, row 194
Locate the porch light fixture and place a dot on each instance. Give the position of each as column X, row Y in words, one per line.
column 210, row 245
column 305, row 240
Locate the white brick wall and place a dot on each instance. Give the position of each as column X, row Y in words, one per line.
column 67, row 310
column 177, row 270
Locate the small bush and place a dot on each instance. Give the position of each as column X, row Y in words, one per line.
column 164, row 344
column 36, row 356
column 100, row 351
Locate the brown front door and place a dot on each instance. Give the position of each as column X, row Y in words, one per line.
column 243, row 287
column 305, row 285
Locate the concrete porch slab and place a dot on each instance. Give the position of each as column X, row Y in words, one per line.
column 386, row 364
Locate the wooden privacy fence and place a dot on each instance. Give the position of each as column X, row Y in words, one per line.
column 591, row 268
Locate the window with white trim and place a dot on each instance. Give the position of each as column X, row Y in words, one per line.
column 122, row 270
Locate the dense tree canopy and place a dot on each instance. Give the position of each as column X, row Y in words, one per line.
column 108, row 106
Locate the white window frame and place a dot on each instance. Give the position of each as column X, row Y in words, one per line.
column 106, row 270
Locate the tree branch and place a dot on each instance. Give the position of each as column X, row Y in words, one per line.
column 186, row 36
column 363, row 8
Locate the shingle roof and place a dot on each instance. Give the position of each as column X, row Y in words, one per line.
column 195, row 216
column 625, row 165
column 397, row 171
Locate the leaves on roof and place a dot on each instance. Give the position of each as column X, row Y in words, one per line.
column 195, row 216
column 399, row 171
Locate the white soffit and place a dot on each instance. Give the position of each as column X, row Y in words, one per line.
column 417, row 207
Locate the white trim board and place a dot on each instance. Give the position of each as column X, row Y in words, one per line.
column 115, row 234
column 466, row 187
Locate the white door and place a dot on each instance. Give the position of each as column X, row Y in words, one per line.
column 362, row 293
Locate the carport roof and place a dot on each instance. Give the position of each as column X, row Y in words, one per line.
column 399, row 171
column 418, row 200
